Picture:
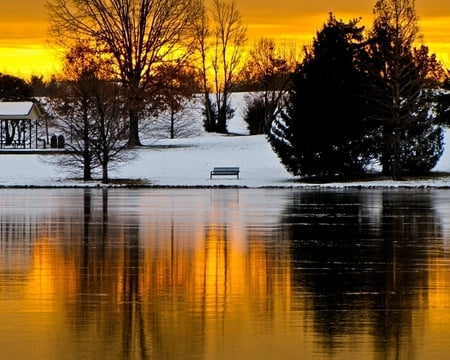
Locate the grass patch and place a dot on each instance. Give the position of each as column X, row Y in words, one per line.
column 126, row 182
column 130, row 182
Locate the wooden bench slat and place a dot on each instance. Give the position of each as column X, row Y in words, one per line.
column 224, row 171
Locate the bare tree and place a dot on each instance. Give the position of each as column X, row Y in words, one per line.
column 178, row 122
column 174, row 100
column 269, row 68
column 220, row 46
column 89, row 110
column 138, row 34
column 202, row 33
column 230, row 37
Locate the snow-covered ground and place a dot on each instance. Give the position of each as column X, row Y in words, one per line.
column 188, row 162
column 167, row 162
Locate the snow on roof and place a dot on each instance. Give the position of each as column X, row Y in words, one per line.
column 22, row 110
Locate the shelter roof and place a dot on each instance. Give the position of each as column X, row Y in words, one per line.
column 20, row 110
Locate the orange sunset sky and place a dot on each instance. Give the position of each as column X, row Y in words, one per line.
column 25, row 47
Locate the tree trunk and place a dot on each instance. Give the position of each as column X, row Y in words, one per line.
column 172, row 124
column 87, row 176
column 222, row 115
column 87, row 157
column 397, row 172
column 133, row 136
column 386, row 151
column 210, row 123
column 8, row 137
column 105, row 177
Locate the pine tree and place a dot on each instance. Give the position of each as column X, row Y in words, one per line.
column 402, row 92
column 323, row 132
column 443, row 105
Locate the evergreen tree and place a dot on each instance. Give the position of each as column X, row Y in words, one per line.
column 255, row 114
column 323, row 132
column 402, row 92
column 443, row 105
column 13, row 88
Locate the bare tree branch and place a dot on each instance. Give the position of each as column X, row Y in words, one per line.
column 138, row 34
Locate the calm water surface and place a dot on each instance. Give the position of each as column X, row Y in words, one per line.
column 224, row 274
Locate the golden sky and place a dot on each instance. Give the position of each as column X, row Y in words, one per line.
column 25, row 48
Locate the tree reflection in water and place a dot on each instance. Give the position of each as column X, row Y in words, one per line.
column 223, row 274
column 364, row 256
column 111, row 267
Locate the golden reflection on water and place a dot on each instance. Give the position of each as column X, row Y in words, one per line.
column 216, row 274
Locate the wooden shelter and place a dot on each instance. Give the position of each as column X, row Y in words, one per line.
column 19, row 124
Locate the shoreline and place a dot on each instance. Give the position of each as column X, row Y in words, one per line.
column 331, row 186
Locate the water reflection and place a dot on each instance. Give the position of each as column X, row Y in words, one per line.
column 365, row 259
column 224, row 274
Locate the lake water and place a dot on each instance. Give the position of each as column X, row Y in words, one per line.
column 224, row 274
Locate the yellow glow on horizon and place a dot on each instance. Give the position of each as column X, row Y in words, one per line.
column 436, row 37
column 302, row 30
column 28, row 60
column 24, row 48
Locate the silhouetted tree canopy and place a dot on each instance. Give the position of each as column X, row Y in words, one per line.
column 402, row 85
column 13, row 88
column 443, row 106
column 221, row 38
column 361, row 100
column 322, row 133
column 267, row 70
column 89, row 108
column 138, row 34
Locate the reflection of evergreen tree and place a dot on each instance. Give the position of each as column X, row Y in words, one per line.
column 408, row 227
column 362, row 268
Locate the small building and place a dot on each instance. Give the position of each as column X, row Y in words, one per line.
column 19, row 124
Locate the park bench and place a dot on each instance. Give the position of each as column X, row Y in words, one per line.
column 217, row 171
